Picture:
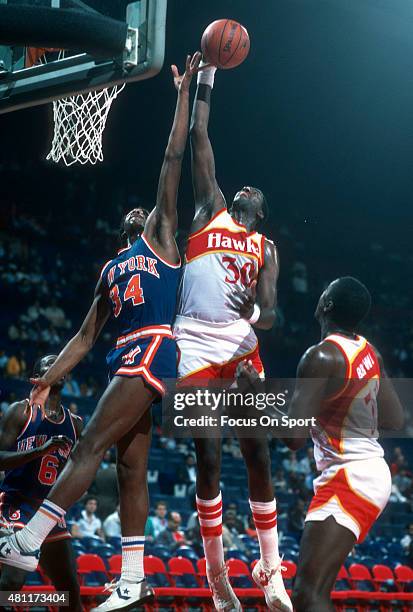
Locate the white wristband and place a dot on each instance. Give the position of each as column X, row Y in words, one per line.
column 255, row 315
column 207, row 76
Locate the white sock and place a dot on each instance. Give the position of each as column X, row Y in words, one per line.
column 132, row 558
column 265, row 519
column 207, row 76
column 210, row 520
column 31, row 537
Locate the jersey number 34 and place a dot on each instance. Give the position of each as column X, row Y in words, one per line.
column 132, row 292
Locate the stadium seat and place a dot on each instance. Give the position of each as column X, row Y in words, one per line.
column 234, row 553
column 360, row 577
column 116, row 542
column 384, row 578
column 115, row 566
column 183, row 573
column 342, row 580
column 404, row 578
column 36, row 578
column 91, row 542
column 239, row 574
column 155, row 571
column 92, row 570
column 162, row 552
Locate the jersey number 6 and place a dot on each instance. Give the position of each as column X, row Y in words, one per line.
column 132, row 292
column 48, row 470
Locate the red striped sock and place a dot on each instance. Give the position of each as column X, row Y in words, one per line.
column 210, row 520
column 265, row 519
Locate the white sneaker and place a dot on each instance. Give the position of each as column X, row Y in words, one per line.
column 271, row 583
column 126, row 595
column 11, row 554
column 222, row 592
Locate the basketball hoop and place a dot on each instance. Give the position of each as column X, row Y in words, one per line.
column 79, row 123
column 79, row 120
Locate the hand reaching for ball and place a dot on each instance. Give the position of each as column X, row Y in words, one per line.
column 183, row 82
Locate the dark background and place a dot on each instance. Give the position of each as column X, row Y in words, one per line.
column 319, row 117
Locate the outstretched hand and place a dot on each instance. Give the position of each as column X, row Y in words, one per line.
column 182, row 82
column 247, row 376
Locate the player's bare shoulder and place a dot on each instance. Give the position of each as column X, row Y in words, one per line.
column 271, row 255
column 77, row 423
column 319, row 360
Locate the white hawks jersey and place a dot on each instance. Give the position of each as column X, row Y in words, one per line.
column 347, row 427
column 222, row 259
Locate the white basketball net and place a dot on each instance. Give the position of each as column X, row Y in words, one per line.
column 79, row 122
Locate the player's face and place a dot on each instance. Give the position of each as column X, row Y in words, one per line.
column 247, row 205
column 45, row 364
column 135, row 221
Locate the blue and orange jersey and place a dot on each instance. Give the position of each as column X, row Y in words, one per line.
column 34, row 479
column 142, row 287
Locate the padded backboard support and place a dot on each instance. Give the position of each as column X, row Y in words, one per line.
column 80, row 72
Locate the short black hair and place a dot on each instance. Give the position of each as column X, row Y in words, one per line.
column 38, row 363
column 265, row 207
column 351, row 301
column 90, row 498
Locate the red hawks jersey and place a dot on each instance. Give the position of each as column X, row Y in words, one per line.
column 347, row 428
column 222, row 259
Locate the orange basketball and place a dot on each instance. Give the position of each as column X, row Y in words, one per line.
column 225, row 43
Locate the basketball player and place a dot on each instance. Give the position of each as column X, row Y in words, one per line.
column 228, row 286
column 33, row 451
column 342, row 382
column 138, row 288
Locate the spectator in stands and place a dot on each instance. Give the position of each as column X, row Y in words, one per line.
column 88, row 524
column 56, row 315
column 156, row 524
column 407, row 539
column 71, row 386
column 251, row 530
column 73, row 408
column 240, row 521
column 3, row 360
column 403, row 481
column 296, row 516
column 304, row 465
column 111, row 525
column 290, row 463
column 279, row 480
column 171, row 536
column 187, row 473
column 231, row 447
column 105, row 487
column 13, row 368
column 230, row 533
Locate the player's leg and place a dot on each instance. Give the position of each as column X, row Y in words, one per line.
column 132, row 465
column 324, row 548
column 267, row 573
column 59, row 563
column 122, row 405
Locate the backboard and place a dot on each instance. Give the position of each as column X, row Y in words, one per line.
column 106, row 42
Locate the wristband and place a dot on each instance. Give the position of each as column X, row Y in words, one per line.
column 207, row 76
column 255, row 315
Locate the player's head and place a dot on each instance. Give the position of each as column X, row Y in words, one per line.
column 132, row 225
column 249, row 207
column 345, row 303
column 42, row 365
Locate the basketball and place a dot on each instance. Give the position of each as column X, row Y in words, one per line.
column 225, row 43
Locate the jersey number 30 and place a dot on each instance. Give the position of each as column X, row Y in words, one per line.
column 132, row 292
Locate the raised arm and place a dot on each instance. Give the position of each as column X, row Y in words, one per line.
column 79, row 345
column 208, row 196
column 162, row 223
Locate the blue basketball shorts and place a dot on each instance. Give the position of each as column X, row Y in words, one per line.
column 149, row 352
